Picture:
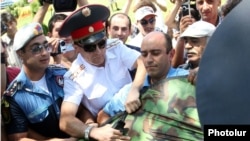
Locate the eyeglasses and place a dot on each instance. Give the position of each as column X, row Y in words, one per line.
column 36, row 49
column 92, row 47
column 145, row 22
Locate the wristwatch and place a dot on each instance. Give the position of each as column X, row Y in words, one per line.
column 87, row 131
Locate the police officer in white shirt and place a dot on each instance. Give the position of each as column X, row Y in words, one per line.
column 100, row 70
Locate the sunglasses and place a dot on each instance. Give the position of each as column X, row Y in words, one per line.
column 145, row 22
column 92, row 47
column 36, row 49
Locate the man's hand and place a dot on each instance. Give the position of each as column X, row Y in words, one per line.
column 107, row 133
column 185, row 22
column 133, row 102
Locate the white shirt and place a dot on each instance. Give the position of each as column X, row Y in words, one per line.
column 13, row 59
column 41, row 84
column 137, row 40
column 95, row 86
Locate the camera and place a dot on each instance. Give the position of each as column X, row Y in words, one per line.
column 61, row 5
column 47, row 1
column 61, row 47
column 193, row 11
column 185, row 10
column 64, row 47
column 64, row 5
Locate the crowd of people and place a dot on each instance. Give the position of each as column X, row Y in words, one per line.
column 93, row 65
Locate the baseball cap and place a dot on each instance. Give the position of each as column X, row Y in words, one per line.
column 25, row 34
column 199, row 29
column 143, row 12
column 85, row 23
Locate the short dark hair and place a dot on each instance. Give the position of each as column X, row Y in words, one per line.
column 54, row 19
column 168, row 40
column 108, row 23
column 7, row 17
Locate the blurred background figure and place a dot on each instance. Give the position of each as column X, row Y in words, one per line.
column 180, row 9
column 228, row 6
column 9, row 22
column 113, row 3
column 145, row 17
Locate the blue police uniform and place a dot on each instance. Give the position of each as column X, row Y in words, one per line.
column 29, row 106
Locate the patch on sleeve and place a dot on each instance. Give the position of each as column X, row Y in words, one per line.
column 5, row 110
column 59, row 80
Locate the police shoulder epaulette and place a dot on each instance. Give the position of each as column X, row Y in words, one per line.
column 113, row 43
column 57, row 67
column 12, row 89
column 73, row 74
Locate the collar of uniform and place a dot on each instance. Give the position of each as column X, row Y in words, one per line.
column 26, row 82
column 111, row 43
column 21, row 77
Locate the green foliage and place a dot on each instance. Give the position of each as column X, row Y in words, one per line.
column 22, row 3
column 13, row 10
column 45, row 29
column 34, row 6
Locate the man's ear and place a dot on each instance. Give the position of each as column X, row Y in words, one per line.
column 108, row 30
column 171, row 53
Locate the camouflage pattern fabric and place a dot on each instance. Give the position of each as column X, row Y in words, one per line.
column 168, row 112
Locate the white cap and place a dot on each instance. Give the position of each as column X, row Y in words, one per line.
column 199, row 29
column 143, row 12
column 25, row 34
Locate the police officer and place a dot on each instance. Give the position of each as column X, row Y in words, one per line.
column 31, row 104
column 99, row 71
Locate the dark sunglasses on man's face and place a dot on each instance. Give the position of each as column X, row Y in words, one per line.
column 145, row 22
column 92, row 47
column 36, row 49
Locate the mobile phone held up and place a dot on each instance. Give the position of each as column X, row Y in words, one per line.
column 185, row 10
